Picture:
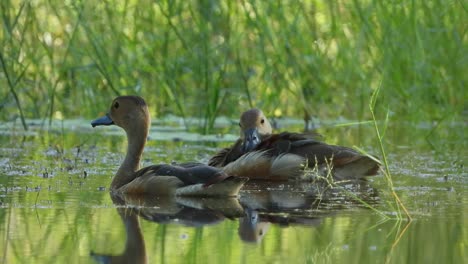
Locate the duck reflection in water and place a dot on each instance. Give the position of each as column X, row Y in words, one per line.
column 192, row 212
column 135, row 250
column 186, row 211
column 260, row 206
column 295, row 204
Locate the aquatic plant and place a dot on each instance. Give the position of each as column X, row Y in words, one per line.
column 206, row 58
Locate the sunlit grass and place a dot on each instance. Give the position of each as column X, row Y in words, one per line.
column 386, row 169
column 205, row 59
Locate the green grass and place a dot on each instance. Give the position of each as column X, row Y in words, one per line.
column 209, row 58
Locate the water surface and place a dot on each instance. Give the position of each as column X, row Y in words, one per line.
column 55, row 206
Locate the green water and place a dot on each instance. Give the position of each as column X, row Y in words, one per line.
column 55, row 206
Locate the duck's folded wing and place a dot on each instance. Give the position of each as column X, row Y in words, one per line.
column 318, row 152
column 227, row 155
column 188, row 164
column 275, row 144
column 190, row 173
column 286, row 142
column 306, row 146
column 219, row 158
column 148, row 181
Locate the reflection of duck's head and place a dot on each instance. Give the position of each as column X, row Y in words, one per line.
column 131, row 113
column 254, row 127
column 251, row 228
column 135, row 250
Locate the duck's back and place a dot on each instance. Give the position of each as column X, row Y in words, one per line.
column 308, row 146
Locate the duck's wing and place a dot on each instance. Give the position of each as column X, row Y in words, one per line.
column 227, row 155
column 318, row 152
column 188, row 173
column 201, row 181
column 219, row 158
column 304, row 145
column 286, row 142
column 189, row 164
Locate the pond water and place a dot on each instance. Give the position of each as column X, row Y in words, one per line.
column 55, row 206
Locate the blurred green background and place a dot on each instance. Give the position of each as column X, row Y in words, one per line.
column 209, row 58
column 205, row 59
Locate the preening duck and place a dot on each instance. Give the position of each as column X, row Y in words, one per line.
column 256, row 135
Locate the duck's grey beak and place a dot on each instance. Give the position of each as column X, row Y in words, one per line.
column 103, row 121
column 251, row 139
column 252, row 216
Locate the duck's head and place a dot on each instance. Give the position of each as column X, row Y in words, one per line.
column 128, row 112
column 254, row 126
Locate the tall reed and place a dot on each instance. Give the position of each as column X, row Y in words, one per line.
column 211, row 58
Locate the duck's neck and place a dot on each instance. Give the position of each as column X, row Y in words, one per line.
column 136, row 138
column 135, row 244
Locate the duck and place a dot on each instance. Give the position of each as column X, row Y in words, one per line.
column 131, row 113
column 256, row 134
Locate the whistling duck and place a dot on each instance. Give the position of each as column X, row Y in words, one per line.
column 256, row 135
column 193, row 179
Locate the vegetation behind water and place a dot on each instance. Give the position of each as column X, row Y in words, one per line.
column 210, row 58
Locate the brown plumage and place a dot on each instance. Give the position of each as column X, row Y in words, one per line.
column 256, row 135
column 131, row 113
column 191, row 179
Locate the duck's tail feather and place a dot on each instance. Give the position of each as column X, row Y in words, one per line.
column 357, row 168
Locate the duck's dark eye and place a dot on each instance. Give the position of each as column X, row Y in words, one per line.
column 262, row 121
column 116, row 105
